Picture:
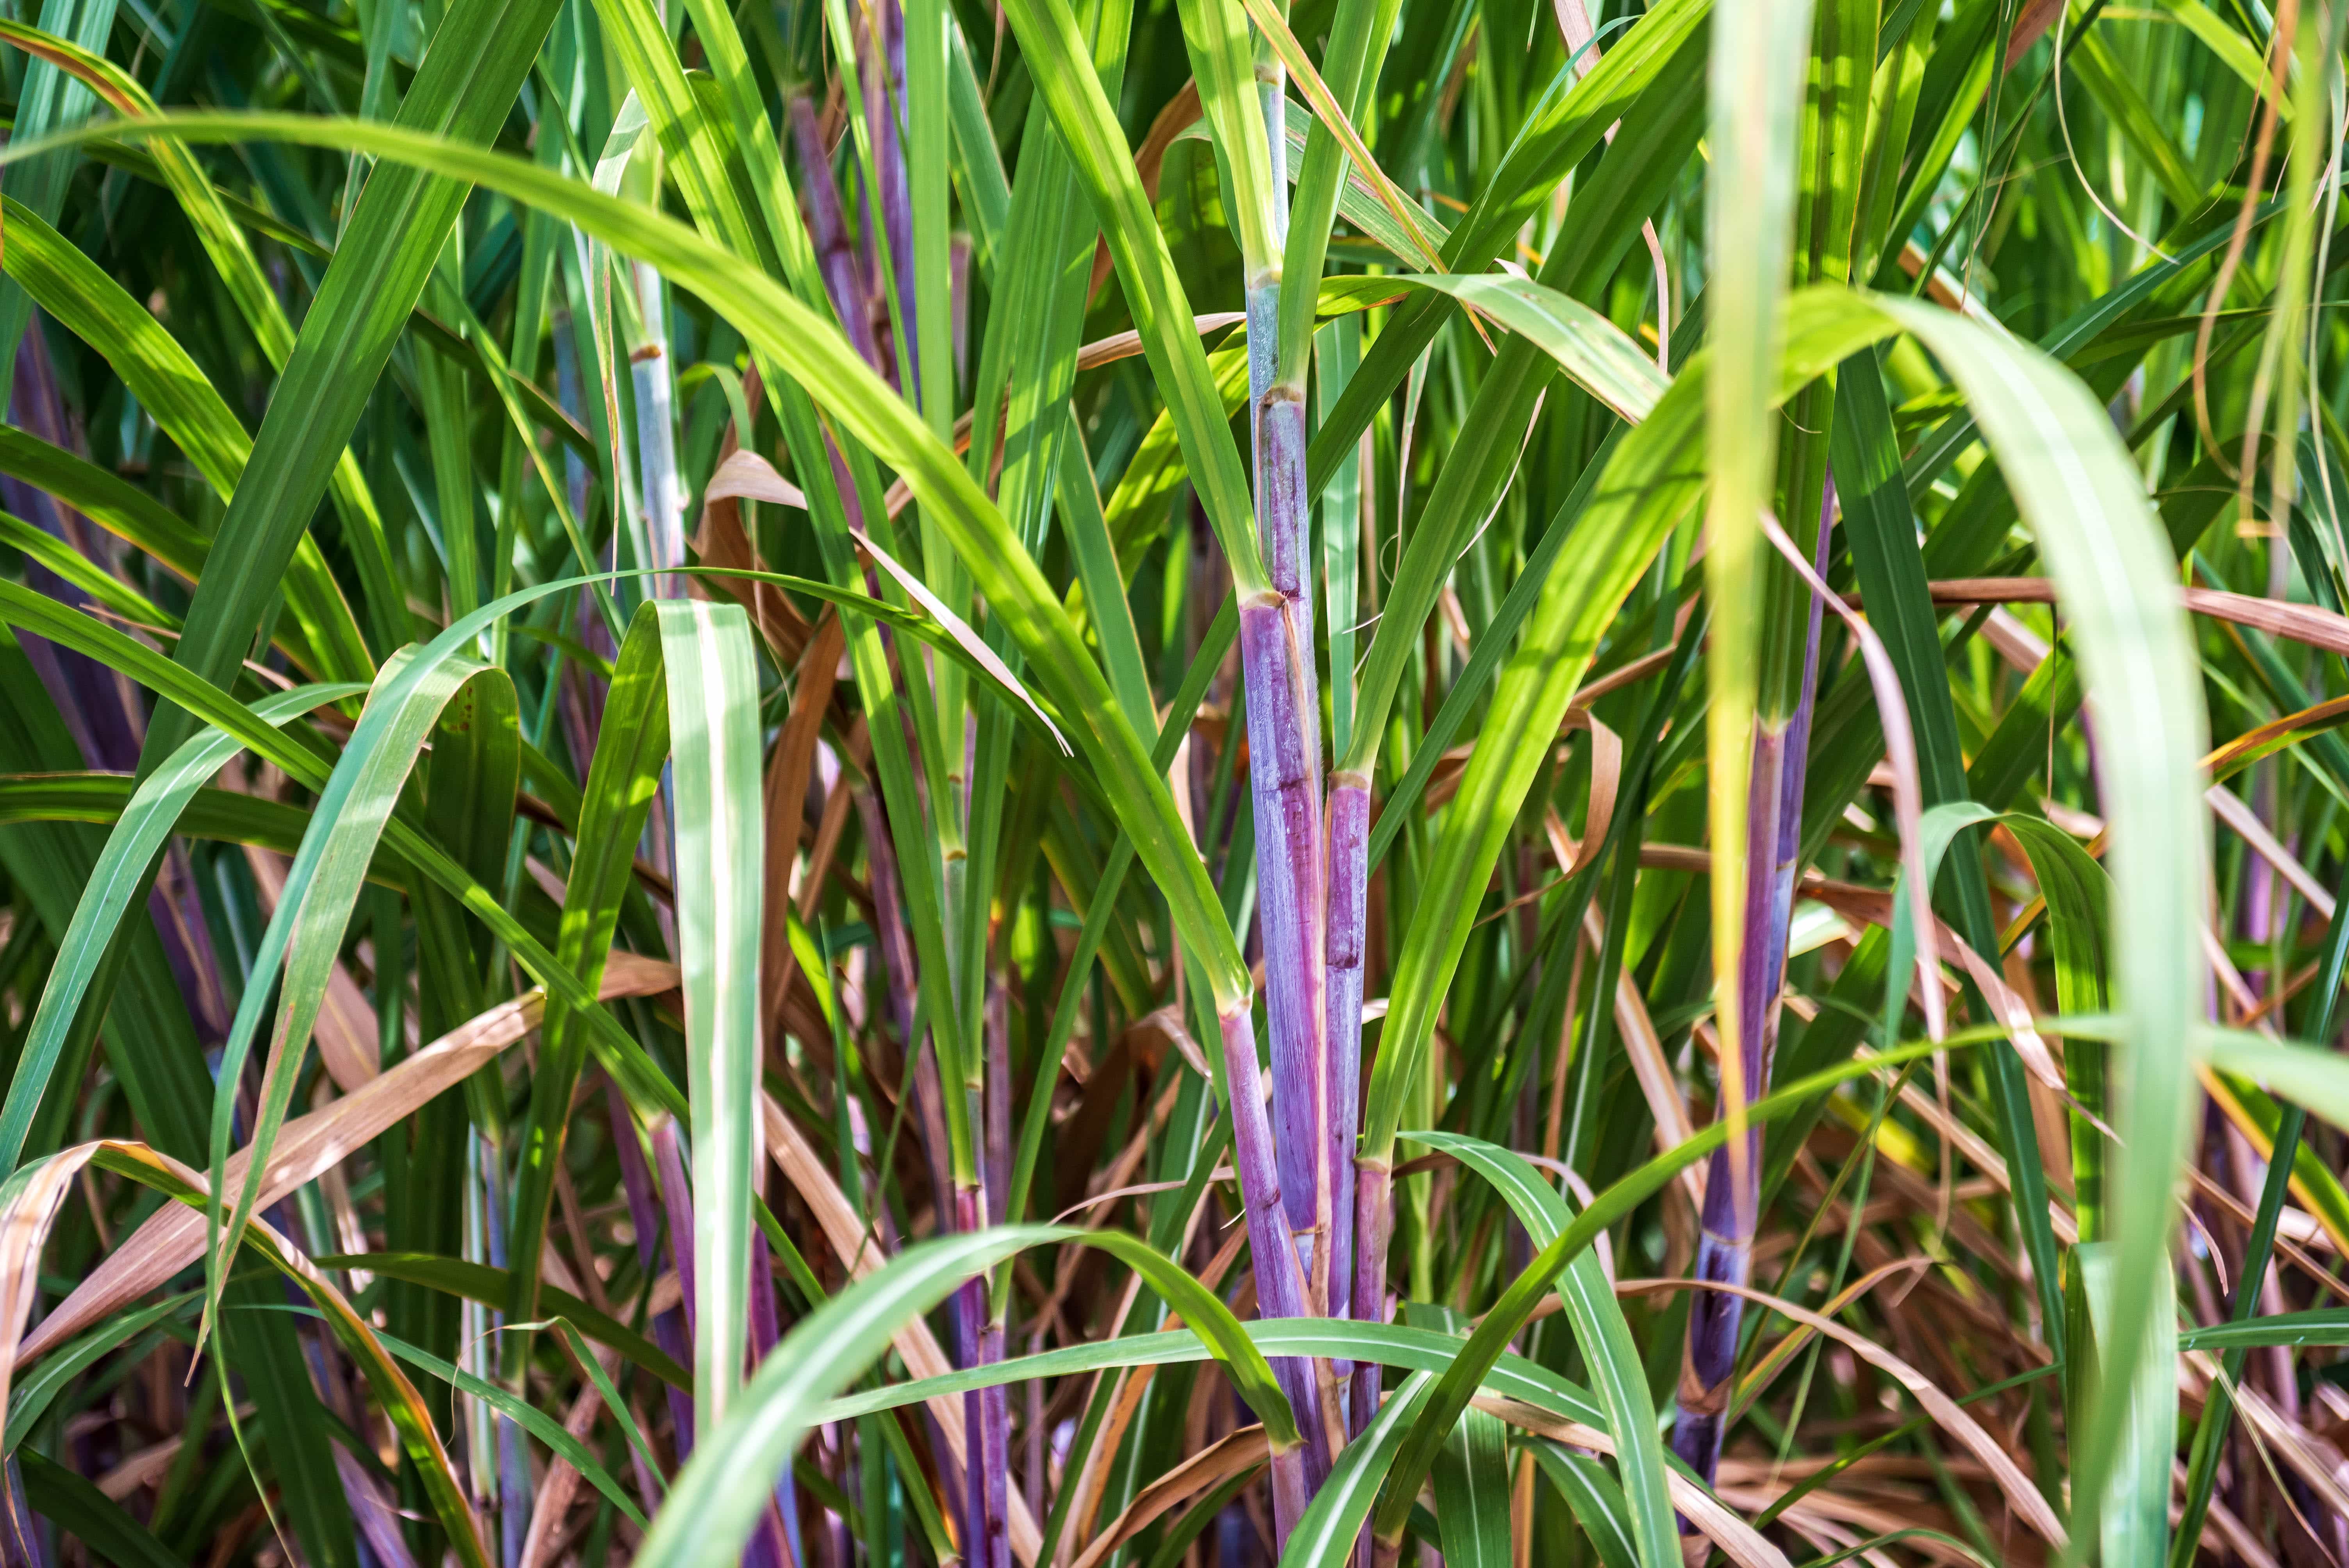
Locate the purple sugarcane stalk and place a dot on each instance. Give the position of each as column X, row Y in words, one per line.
column 987, row 1452
column 985, row 1499
column 645, row 1218
column 970, row 1328
column 1363, row 1293
column 883, row 97
column 1724, row 1253
column 828, row 232
column 1285, row 780
column 21, row 1537
column 987, row 1412
column 995, row 1111
column 929, row 1105
column 993, row 1440
column 1284, row 704
column 1283, row 768
column 1285, row 785
column 1288, row 1190
column 1280, row 1282
column 897, row 966
column 1284, row 775
column 778, row 1543
column 1373, row 1227
column 676, row 1205
column 843, row 285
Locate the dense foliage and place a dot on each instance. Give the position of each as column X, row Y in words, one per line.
column 1221, row 781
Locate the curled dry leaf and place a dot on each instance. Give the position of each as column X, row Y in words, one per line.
column 1242, row 1450
column 747, row 476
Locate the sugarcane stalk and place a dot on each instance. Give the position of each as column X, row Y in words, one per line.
column 1725, row 1242
column 1774, row 835
column 828, row 232
column 1286, row 1188
column 987, row 1412
column 1279, row 1281
column 1284, row 711
column 645, row 1218
column 985, row 1525
column 1373, row 1229
column 885, row 99
column 844, row 285
column 1285, row 785
column 779, row 1539
column 661, row 490
column 1353, row 1263
column 1350, row 836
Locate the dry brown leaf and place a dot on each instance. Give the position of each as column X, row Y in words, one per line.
column 1242, row 1449
column 786, row 804
column 1743, row 1544
column 2317, row 627
column 1951, row 1418
column 174, row 1237
column 25, row 1226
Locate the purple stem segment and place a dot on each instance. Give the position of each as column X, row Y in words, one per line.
column 843, row 283
column 897, row 963
column 676, row 1202
column 1284, row 765
column 1284, row 713
column 1287, row 1191
column 21, row 1536
column 883, row 99
column 645, row 1218
column 1279, row 1282
column 970, row 1320
column 828, row 230
column 1733, row 1188
column 995, row 1110
column 1350, row 833
column 987, row 1412
column 778, row 1541
column 987, row 1501
column 1284, row 775
column 1373, row 1227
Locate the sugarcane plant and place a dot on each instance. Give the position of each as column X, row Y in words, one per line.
column 1320, row 782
